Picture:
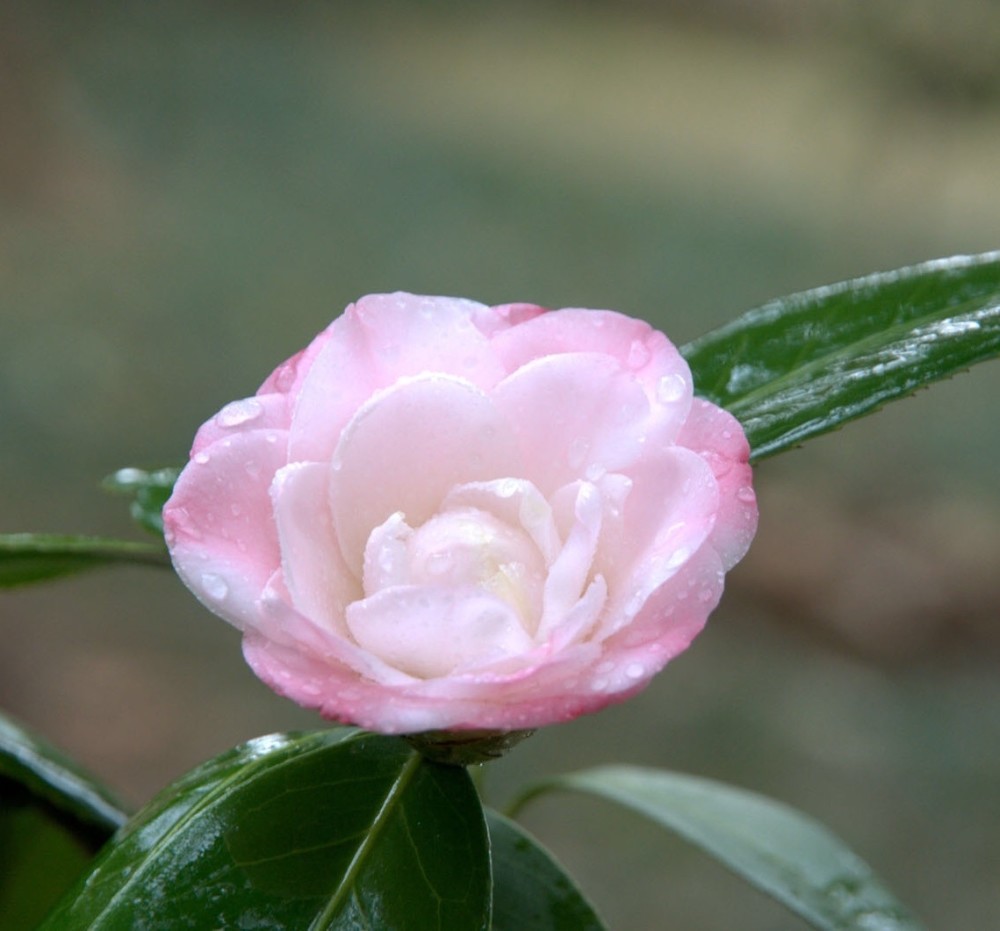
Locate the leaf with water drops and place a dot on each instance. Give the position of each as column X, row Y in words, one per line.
column 335, row 829
column 803, row 365
column 775, row 848
column 37, row 557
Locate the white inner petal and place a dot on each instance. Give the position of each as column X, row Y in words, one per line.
column 485, row 581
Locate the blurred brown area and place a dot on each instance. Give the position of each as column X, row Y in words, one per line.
column 188, row 193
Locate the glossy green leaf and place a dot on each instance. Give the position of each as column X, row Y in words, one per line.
column 55, row 780
column 336, row 829
column 53, row 819
column 780, row 851
column 149, row 491
column 805, row 364
column 531, row 891
column 36, row 557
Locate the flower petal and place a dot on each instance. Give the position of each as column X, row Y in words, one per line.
column 574, row 415
column 219, row 525
column 428, row 631
column 718, row 437
column 652, row 359
column 377, row 341
column 263, row 412
column 318, row 580
column 516, row 502
column 406, row 448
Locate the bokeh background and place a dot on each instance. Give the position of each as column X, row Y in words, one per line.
column 191, row 191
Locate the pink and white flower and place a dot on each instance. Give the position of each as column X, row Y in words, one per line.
column 447, row 516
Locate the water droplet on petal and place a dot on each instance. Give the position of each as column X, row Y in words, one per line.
column 670, row 388
column 214, row 585
column 598, row 685
column 746, row 495
column 239, row 412
column 635, row 670
column 202, row 458
column 638, row 354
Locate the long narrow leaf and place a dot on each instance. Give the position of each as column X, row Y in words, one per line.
column 780, row 851
column 806, row 364
column 54, row 818
column 36, row 557
column 77, row 798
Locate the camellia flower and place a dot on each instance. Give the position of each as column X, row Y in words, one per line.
column 447, row 516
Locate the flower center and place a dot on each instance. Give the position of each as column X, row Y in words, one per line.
column 472, row 547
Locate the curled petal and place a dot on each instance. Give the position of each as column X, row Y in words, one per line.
column 318, row 579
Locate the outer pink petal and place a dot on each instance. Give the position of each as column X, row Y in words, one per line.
column 652, row 359
column 377, row 341
column 668, row 516
column 719, row 439
column 219, row 525
column 406, row 448
column 670, row 618
column 318, row 580
column 574, row 415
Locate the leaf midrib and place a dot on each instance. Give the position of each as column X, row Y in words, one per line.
column 332, row 909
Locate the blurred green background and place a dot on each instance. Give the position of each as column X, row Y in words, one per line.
column 191, row 191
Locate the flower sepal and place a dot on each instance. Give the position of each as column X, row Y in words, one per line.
column 464, row 748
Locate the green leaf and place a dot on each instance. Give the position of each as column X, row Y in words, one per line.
column 53, row 779
column 53, row 819
column 149, row 492
column 805, row 364
column 780, row 851
column 36, row 557
column 335, row 829
column 531, row 891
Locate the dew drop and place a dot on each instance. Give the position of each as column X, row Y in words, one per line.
column 599, row 685
column 202, row 458
column 635, row 670
column 252, row 468
column 670, row 388
column 638, row 354
column 239, row 412
column 284, row 377
column 605, row 666
column 705, row 595
column 214, row 585
column 746, row 495
column 507, row 487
